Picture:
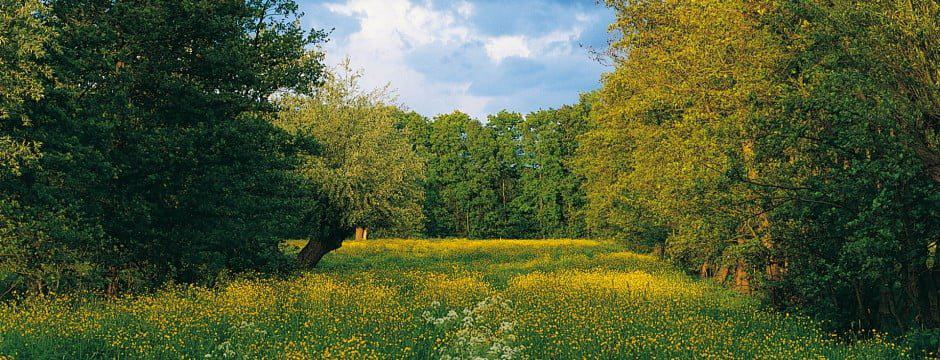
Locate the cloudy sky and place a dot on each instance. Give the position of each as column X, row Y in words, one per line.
column 478, row 56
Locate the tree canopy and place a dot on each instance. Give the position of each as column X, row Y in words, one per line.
column 158, row 159
column 366, row 165
column 778, row 146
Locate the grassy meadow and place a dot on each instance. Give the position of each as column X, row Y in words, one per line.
column 447, row 299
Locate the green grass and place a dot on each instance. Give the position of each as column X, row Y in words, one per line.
column 414, row 299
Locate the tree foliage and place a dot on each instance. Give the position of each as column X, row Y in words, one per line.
column 159, row 161
column 366, row 165
column 775, row 145
column 511, row 177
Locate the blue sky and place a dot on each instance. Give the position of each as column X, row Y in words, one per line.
column 477, row 56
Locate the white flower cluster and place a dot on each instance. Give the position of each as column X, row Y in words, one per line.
column 478, row 333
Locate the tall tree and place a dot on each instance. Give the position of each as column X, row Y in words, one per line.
column 507, row 129
column 551, row 191
column 24, row 39
column 159, row 161
column 905, row 36
column 853, row 204
column 463, row 177
column 775, row 144
column 367, row 167
column 683, row 133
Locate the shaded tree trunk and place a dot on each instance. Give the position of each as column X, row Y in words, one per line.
column 314, row 251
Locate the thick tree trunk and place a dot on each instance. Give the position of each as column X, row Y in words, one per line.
column 314, row 251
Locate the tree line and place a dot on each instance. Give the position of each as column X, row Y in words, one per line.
column 787, row 148
column 162, row 141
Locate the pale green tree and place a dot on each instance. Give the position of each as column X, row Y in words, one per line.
column 366, row 166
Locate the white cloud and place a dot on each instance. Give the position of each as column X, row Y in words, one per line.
column 465, row 9
column 556, row 43
column 392, row 30
column 501, row 47
column 389, row 31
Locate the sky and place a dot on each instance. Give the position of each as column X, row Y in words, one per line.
column 476, row 56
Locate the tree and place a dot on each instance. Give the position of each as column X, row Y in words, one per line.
column 904, row 37
column 507, row 129
column 463, row 178
column 159, row 161
column 366, row 166
column 24, row 39
column 551, row 191
column 511, row 177
column 855, row 205
column 670, row 153
column 778, row 145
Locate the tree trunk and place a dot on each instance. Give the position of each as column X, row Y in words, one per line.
column 742, row 280
column 705, row 271
column 314, row 251
column 362, row 233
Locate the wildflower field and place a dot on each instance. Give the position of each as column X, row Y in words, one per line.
column 424, row 299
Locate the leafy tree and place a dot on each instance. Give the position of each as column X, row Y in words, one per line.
column 159, row 160
column 903, row 36
column 777, row 144
column 510, row 178
column 857, row 211
column 506, row 128
column 463, row 177
column 366, row 166
column 24, row 40
column 671, row 155
column 551, row 191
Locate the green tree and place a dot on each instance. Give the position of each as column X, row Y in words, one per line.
column 904, row 38
column 551, row 192
column 678, row 155
column 367, row 167
column 463, row 178
column 778, row 145
column 158, row 157
column 24, row 38
column 856, row 212
column 511, row 177
column 506, row 129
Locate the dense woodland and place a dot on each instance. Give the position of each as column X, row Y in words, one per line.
column 786, row 148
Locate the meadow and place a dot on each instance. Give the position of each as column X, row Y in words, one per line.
column 440, row 299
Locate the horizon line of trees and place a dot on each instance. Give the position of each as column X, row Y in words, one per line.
column 398, row 173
